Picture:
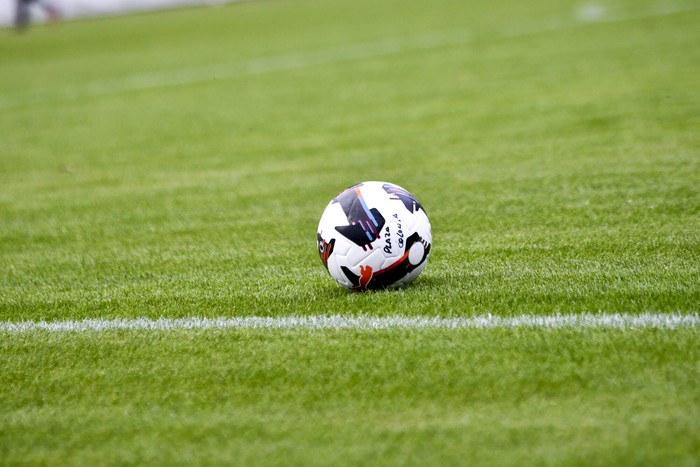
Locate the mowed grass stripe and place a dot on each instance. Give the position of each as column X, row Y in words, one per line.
column 555, row 321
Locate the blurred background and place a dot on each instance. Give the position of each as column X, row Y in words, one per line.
column 88, row 8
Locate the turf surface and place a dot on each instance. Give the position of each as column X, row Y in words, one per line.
column 176, row 164
column 327, row 398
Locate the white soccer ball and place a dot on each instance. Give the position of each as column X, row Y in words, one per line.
column 374, row 235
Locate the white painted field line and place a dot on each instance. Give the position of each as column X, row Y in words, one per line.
column 254, row 66
column 331, row 55
column 368, row 323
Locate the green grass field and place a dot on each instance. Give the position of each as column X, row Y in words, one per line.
column 176, row 164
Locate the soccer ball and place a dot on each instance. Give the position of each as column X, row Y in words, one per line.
column 374, row 235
